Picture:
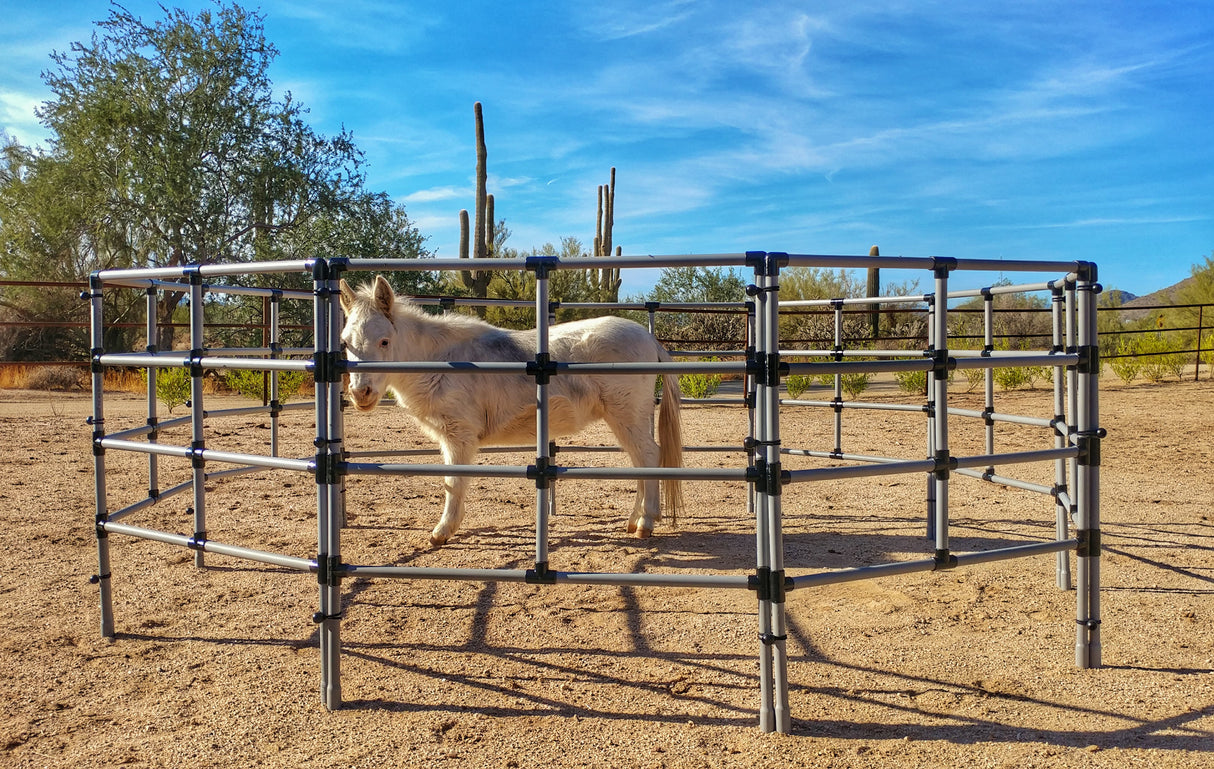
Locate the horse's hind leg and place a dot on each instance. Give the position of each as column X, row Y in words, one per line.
column 637, row 440
column 455, row 488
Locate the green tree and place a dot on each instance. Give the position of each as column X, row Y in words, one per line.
column 169, row 147
column 170, row 136
column 713, row 330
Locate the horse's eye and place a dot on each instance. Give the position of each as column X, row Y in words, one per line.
column 383, row 343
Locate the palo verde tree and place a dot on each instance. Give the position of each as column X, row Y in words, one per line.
column 169, row 138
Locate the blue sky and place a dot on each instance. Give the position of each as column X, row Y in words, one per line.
column 1024, row 130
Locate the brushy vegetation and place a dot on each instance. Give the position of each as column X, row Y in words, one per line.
column 172, row 386
column 253, row 384
column 699, row 385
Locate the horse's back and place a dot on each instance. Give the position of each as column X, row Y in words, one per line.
column 605, row 339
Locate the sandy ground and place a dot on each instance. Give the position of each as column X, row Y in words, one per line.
column 220, row 667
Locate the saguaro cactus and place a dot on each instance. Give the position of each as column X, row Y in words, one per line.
column 605, row 282
column 477, row 281
column 874, row 289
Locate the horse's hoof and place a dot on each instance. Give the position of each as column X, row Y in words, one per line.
column 437, row 541
column 644, row 533
column 632, row 527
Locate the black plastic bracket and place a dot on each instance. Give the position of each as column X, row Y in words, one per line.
column 944, row 560
column 329, row 570
column 543, row 472
column 942, row 364
column 943, row 265
column 945, row 464
column 542, row 368
column 1089, row 447
column 540, row 575
column 771, row 585
column 1089, row 359
column 769, row 477
column 541, row 265
column 329, row 466
column 196, row 449
column 1089, row 543
column 198, row 541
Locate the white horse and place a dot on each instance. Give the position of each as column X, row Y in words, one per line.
column 463, row 412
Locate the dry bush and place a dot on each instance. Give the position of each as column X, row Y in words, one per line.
column 54, row 378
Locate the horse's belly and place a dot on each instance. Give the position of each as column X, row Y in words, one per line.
column 564, row 418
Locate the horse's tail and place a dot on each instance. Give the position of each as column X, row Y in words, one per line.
column 670, row 437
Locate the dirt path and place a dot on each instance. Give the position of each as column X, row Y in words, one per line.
column 219, row 666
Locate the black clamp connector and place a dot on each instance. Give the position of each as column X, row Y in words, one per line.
column 543, row 472
column 197, row 448
column 541, row 265
column 540, row 575
column 330, row 466
column 328, row 570
column 945, row 464
column 1088, row 443
column 328, row 366
column 320, row 617
column 944, row 560
column 198, row 541
column 770, row 585
column 1088, row 545
column 943, row 265
column 542, row 368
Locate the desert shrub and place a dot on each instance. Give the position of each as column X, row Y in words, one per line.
column 854, row 384
column 700, row 385
column 172, row 386
column 1127, row 367
column 1161, row 358
column 54, row 378
column 252, row 384
column 1013, row 377
column 797, row 384
column 913, row 382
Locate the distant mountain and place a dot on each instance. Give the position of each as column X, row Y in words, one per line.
column 1162, row 296
column 1119, row 297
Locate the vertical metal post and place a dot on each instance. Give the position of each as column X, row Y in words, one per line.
column 1201, row 309
column 275, row 340
column 543, row 486
column 102, row 577
column 1087, row 480
column 930, row 496
column 773, row 661
column 1072, row 382
column 1061, row 437
column 325, row 330
column 198, row 439
column 939, row 386
column 988, row 378
column 153, row 418
column 838, row 377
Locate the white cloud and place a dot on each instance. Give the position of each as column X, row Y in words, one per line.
column 17, row 117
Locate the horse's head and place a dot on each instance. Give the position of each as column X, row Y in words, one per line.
column 369, row 335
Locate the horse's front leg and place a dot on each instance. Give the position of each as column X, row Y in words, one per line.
column 454, row 488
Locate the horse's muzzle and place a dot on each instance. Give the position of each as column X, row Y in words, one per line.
column 364, row 398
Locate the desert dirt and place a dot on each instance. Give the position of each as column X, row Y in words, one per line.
column 974, row 667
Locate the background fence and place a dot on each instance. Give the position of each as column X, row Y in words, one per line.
column 1152, row 342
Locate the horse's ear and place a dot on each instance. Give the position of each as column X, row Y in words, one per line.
column 347, row 296
column 385, row 300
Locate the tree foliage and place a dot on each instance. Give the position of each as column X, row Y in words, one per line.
column 169, row 146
